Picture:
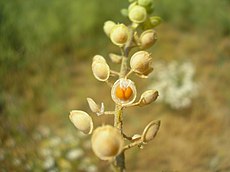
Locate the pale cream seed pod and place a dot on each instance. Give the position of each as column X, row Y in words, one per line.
column 108, row 26
column 100, row 68
column 119, row 35
column 115, row 58
column 140, row 62
column 136, row 137
column 148, row 38
column 81, row 121
column 93, row 106
column 107, row 142
column 148, row 97
column 150, row 131
column 99, row 58
column 123, row 92
column 137, row 14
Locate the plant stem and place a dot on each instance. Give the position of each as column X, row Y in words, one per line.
column 118, row 121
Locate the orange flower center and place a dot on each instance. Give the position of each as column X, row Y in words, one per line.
column 123, row 93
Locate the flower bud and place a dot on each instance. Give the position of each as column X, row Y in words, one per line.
column 148, row 97
column 115, row 58
column 108, row 26
column 148, row 38
column 107, row 142
column 81, row 121
column 119, row 35
column 150, row 131
column 93, row 106
column 123, row 92
column 100, row 68
column 144, row 2
column 137, row 14
column 140, row 62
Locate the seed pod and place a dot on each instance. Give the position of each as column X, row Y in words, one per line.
column 115, row 58
column 150, row 131
column 100, row 68
column 136, row 137
column 123, row 92
column 107, row 142
column 81, row 121
column 148, row 38
column 144, row 2
column 119, row 35
column 140, row 63
column 125, row 12
column 108, row 26
column 148, row 97
column 93, row 106
column 137, row 14
column 155, row 21
column 99, row 58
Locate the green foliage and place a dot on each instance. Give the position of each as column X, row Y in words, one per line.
column 207, row 14
column 35, row 35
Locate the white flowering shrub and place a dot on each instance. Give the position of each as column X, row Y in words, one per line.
column 175, row 82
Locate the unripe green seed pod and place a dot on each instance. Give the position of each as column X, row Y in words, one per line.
column 148, row 38
column 125, row 12
column 108, row 26
column 100, row 68
column 144, row 2
column 137, row 14
column 140, row 62
column 150, row 131
column 107, row 142
column 148, row 97
column 81, row 121
column 119, row 35
column 155, row 21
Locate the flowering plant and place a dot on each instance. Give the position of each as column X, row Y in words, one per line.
column 110, row 142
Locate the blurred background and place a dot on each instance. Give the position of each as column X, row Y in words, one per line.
column 46, row 49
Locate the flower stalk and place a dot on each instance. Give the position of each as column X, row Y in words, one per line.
column 109, row 142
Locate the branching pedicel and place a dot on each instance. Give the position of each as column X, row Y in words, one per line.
column 109, row 142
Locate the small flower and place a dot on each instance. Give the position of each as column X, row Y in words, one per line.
column 140, row 63
column 137, row 14
column 119, row 35
column 148, row 38
column 150, row 131
column 81, row 121
column 74, row 154
column 100, row 68
column 123, row 91
column 108, row 26
column 107, row 142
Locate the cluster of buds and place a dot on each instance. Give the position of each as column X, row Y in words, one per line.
column 109, row 142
